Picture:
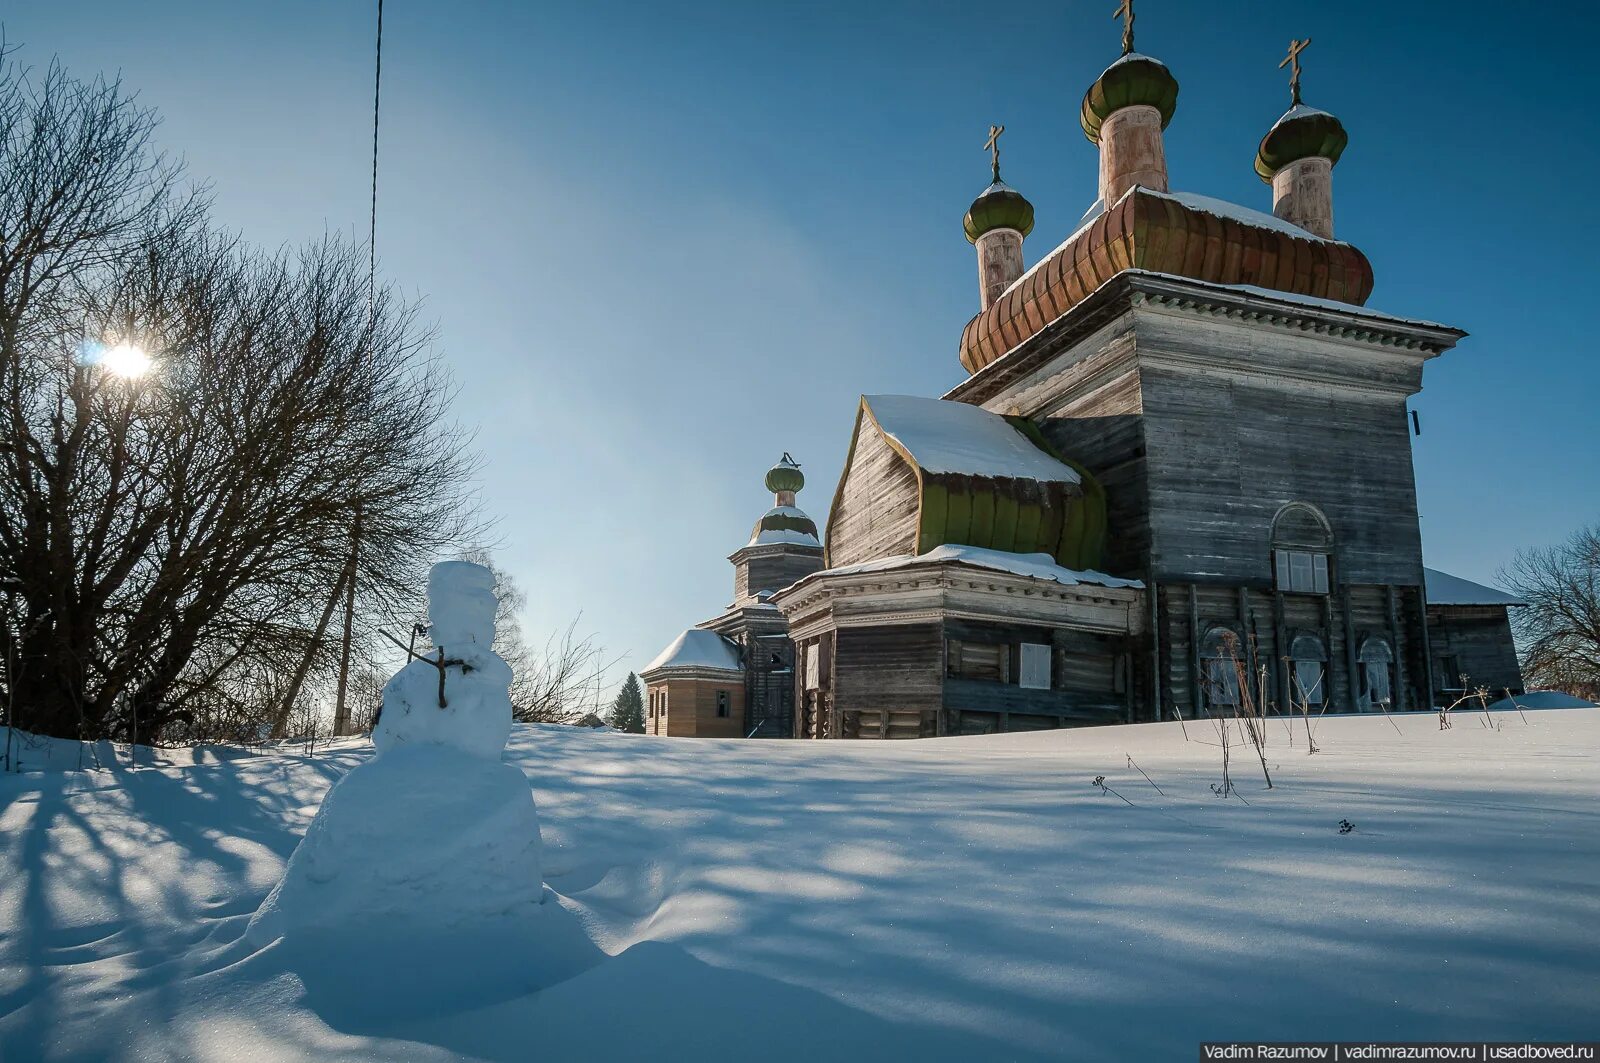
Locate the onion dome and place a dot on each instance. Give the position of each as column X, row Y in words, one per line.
column 785, row 476
column 784, row 525
column 998, row 207
column 1302, row 133
column 1133, row 79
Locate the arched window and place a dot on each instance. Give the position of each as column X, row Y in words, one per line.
column 1377, row 674
column 1220, row 655
column 1302, row 541
column 1309, row 675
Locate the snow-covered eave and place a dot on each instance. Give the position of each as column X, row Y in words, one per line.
column 752, row 549
column 1283, row 309
column 1033, row 567
column 673, row 671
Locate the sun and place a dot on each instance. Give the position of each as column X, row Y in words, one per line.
column 125, row 360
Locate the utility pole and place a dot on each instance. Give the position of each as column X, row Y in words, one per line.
column 341, row 710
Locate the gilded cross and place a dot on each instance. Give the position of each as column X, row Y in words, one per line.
column 1124, row 11
column 1292, row 60
column 992, row 145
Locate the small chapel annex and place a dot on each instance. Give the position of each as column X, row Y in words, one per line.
column 1182, row 454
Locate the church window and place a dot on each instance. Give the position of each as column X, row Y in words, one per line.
column 1302, row 542
column 1448, row 673
column 1377, row 674
column 722, row 703
column 1219, row 668
column 1035, row 667
column 1309, row 675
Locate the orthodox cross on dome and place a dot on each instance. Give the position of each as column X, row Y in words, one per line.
column 1124, row 11
column 1292, row 60
column 992, row 145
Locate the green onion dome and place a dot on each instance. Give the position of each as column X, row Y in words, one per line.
column 785, row 476
column 1133, row 79
column 998, row 207
column 1302, row 133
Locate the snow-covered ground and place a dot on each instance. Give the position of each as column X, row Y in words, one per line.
column 973, row 898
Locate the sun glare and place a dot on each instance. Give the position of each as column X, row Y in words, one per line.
column 125, row 360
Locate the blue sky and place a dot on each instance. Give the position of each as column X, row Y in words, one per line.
column 662, row 244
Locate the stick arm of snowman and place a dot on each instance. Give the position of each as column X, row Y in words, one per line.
column 439, row 662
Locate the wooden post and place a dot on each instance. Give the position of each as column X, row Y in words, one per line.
column 1154, row 592
column 1247, row 629
column 1280, row 635
column 341, row 711
column 1352, row 676
column 1395, row 648
column 1195, row 700
column 1427, row 645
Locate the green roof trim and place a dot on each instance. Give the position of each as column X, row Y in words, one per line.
column 1132, row 80
column 1023, row 513
column 1081, row 538
column 1303, row 133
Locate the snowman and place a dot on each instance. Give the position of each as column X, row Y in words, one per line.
column 459, row 695
column 436, row 833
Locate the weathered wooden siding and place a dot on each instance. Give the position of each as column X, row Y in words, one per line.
column 1224, row 455
column 1268, row 623
column 773, row 568
column 888, row 679
column 1088, row 675
column 876, row 512
column 1106, row 434
column 1480, row 639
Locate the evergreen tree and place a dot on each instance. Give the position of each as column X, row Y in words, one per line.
column 627, row 711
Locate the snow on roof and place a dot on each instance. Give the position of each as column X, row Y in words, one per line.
column 1445, row 589
column 1299, row 110
column 698, row 648
column 783, row 537
column 1223, row 209
column 944, row 436
column 1036, row 566
column 1137, row 56
column 1218, row 207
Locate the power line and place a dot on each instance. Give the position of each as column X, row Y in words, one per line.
column 372, row 228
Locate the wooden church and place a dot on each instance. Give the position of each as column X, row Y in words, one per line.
column 1183, row 443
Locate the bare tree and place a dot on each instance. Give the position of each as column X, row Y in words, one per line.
column 1559, row 627
column 557, row 683
column 172, row 538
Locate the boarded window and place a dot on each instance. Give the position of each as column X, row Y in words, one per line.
column 1034, row 673
column 978, row 660
column 1448, row 673
column 814, row 666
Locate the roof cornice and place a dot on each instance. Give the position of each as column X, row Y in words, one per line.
column 1132, row 289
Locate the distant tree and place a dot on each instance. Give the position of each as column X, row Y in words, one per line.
column 556, row 683
column 627, row 711
column 1559, row 628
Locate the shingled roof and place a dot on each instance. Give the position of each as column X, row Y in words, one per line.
column 1179, row 234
